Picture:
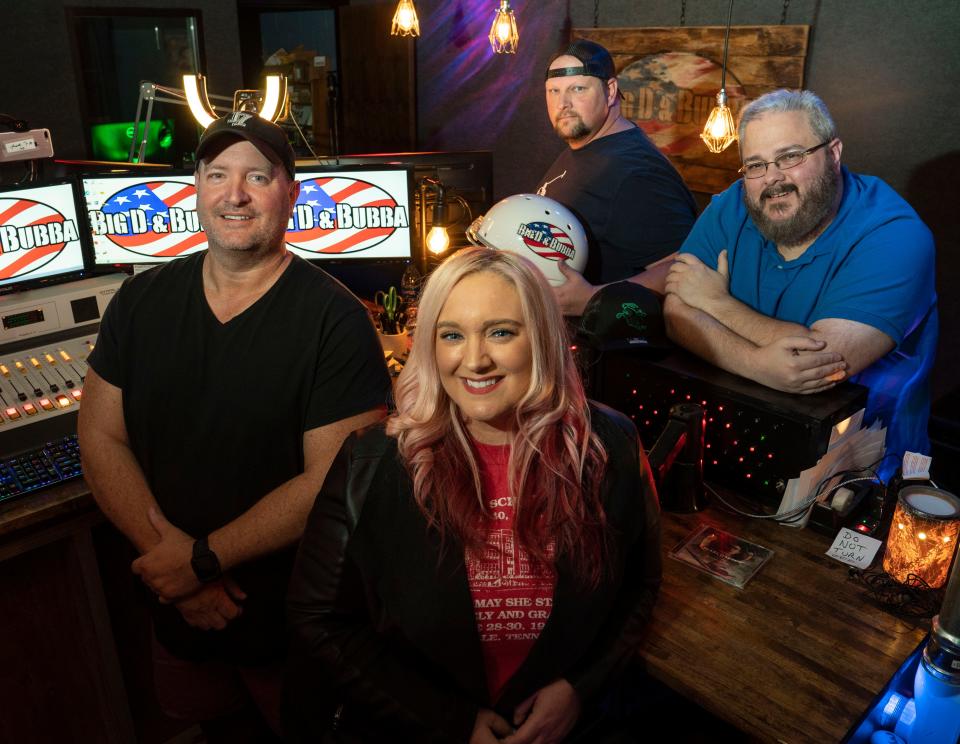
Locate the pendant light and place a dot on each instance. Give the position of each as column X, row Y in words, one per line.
column 503, row 33
column 719, row 132
column 405, row 21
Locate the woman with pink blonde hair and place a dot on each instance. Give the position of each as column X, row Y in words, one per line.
column 478, row 568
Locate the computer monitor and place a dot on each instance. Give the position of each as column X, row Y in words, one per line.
column 467, row 177
column 40, row 234
column 143, row 218
column 352, row 214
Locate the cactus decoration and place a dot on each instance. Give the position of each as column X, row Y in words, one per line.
column 391, row 317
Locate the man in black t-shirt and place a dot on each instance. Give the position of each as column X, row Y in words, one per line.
column 630, row 199
column 219, row 391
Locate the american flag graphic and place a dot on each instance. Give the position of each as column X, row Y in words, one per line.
column 321, row 196
column 550, row 237
column 22, row 213
column 155, row 198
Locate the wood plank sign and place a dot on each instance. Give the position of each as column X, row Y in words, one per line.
column 670, row 78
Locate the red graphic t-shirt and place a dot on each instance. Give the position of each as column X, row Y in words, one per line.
column 512, row 596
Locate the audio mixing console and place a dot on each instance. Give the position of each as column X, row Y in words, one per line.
column 46, row 336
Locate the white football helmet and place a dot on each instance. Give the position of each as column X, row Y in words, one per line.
column 540, row 229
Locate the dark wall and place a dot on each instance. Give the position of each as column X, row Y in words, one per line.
column 889, row 71
column 39, row 79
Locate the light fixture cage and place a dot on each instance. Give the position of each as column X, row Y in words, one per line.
column 504, row 37
column 719, row 132
column 405, row 20
column 923, row 535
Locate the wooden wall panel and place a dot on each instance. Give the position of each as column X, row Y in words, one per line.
column 377, row 81
column 670, row 78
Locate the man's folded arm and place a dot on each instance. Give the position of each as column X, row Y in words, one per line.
column 121, row 491
column 791, row 363
column 746, row 322
column 859, row 344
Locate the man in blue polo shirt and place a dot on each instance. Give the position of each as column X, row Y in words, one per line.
column 803, row 274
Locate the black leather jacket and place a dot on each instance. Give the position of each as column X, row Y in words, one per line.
column 384, row 642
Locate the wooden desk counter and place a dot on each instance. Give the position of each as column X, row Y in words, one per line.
column 44, row 507
column 61, row 679
column 797, row 655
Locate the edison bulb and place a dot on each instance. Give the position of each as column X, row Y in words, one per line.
column 437, row 240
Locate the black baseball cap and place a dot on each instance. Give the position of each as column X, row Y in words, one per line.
column 266, row 136
column 623, row 315
column 596, row 60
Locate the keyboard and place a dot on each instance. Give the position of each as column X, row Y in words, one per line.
column 53, row 463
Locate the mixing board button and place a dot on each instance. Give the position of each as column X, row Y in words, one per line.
column 78, row 393
column 64, row 356
column 12, row 413
column 45, row 404
column 49, row 357
column 63, row 401
column 4, row 370
column 30, row 409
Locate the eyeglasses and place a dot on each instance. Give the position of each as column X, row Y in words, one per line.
column 786, row 161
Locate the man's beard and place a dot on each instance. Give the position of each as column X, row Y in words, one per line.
column 814, row 210
column 578, row 132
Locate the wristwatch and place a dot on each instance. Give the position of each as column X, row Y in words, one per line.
column 205, row 563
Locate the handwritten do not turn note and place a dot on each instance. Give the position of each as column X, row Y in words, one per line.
column 854, row 549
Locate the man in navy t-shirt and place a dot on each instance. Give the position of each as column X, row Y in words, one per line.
column 803, row 274
column 631, row 201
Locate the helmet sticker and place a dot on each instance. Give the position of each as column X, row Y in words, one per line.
column 547, row 241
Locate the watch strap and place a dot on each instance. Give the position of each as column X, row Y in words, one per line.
column 205, row 563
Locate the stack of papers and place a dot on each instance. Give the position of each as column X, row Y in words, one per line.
column 850, row 448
